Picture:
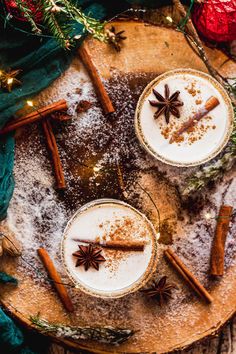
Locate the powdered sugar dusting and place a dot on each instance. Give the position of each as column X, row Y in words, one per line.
column 38, row 214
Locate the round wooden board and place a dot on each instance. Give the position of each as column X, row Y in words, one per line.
column 148, row 49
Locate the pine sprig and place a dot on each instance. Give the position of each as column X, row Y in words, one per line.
column 52, row 23
column 59, row 18
column 58, row 15
column 91, row 25
column 27, row 13
column 108, row 334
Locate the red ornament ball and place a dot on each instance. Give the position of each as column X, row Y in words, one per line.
column 216, row 19
column 14, row 10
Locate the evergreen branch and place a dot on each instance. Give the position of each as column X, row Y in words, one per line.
column 50, row 20
column 59, row 17
column 27, row 13
column 59, row 14
column 108, row 334
column 91, row 25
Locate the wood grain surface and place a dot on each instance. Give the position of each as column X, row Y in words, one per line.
column 223, row 343
column 154, row 55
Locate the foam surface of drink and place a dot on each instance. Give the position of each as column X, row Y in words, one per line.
column 109, row 221
column 198, row 143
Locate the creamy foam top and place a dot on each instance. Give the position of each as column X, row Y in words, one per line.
column 208, row 134
column 109, row 221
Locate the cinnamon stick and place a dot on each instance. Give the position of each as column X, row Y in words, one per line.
column 210, row 104
column 117, row 245
column 52, row 147
column 34, row 116
column 97, row 82
column 62, row 292
column 218, row 245
column 181, row 268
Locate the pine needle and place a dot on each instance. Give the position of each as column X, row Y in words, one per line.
column 27, row 13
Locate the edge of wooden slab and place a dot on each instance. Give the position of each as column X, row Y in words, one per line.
column 70, row 344
column 81, row 346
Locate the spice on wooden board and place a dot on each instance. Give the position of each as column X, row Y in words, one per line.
column 97, row 82
column 55, row 277
column 53, row 149
column 193, row 282
column 161, row 290
column 83, row 106
column 218, row 245
column 34, row 116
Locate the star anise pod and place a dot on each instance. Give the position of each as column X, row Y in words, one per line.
column 166, row 104
column 89, row 256
column 160, row 290
column 115, row 38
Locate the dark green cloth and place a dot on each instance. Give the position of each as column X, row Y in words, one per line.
column 11, row 337
column 41, row 60
column 7, row 279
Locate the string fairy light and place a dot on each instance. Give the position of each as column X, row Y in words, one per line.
column 170, row 19
column 96, row 168
column 30, row 103
column 208, row 216
column 10, row 80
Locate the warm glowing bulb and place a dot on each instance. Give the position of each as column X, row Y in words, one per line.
column 208, row 216
column 30, row 103
column 10, row 80
column 169, row 19
column 96, row 169
column 158, row 235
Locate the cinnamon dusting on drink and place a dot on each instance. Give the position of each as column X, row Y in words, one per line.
column 198, row 101
column 191, row 89
column 122, row 230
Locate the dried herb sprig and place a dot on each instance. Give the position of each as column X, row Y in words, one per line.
column 215, row 169
column 108, row 334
